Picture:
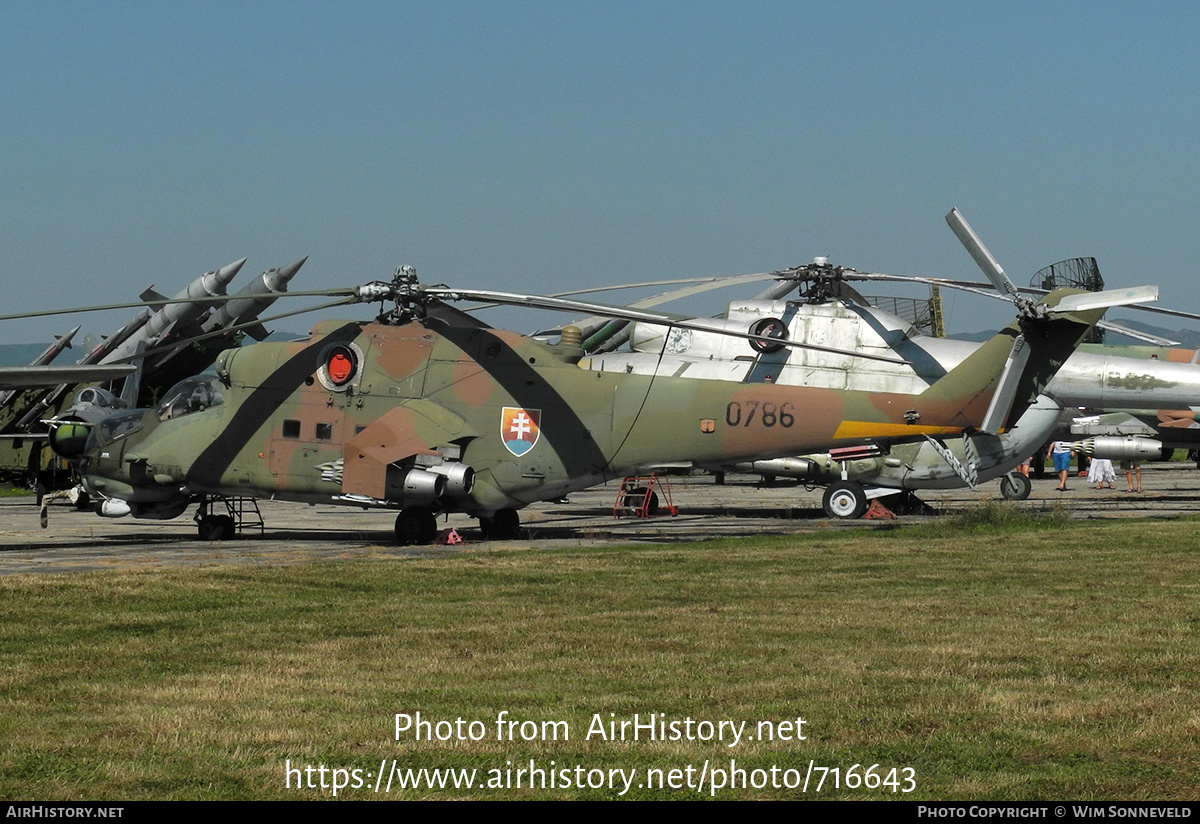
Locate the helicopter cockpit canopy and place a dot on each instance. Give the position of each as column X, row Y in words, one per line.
column 191, row 395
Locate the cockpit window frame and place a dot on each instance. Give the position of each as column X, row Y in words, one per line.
column 191, row 395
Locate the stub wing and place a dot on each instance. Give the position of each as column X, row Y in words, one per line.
column 405, row 455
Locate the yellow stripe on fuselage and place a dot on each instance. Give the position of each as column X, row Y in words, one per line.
column 871, row 430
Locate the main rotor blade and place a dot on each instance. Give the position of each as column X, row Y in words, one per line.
column 703, row 284
column 960, row 285
column 1160, row 310
column 212, row 299
column 950, row 283
column 592, row 324
column 1145, row 337
column 700, row 288
column 625, row 313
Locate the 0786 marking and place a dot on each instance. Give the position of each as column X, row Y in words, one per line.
column 739, row 413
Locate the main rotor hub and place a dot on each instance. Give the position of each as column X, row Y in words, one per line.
column 823, row 278
column 404, row 289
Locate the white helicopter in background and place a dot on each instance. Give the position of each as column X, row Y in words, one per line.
column 833, row 316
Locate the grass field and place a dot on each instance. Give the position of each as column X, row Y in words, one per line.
column 995, row 656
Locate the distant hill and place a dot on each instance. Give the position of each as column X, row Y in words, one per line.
column 20, row 354
column 1188, row 338
column 978, row 337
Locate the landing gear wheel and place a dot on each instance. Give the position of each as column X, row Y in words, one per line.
column 635, row 498
column 503, row 526
column 215, row 527
column 1015, row 487
column 845, row 500
column 415, row 525
column 907, row 503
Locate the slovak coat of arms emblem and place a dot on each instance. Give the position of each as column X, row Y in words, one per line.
column 520, row 429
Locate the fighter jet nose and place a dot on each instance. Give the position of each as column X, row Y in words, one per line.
column 69, row 439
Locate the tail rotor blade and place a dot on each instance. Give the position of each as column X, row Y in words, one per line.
column 1109, row 297
column 980, row 253
column 1006, row 390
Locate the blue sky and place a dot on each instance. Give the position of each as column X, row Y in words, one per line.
column 545, row 146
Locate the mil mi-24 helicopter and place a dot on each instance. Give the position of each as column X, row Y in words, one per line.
column 428, row 410
column 833, row 313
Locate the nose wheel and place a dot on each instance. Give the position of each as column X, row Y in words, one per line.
column 505, row 525
column 240, row 514
column 216, row 528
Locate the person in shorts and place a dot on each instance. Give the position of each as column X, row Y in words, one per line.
column 1132, row 468
column 1060, row 452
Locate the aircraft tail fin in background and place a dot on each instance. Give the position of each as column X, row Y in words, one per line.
column 133, row 383
column 992, row 388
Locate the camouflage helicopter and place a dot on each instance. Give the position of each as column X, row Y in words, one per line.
column 831, row 311
column 427, row 410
